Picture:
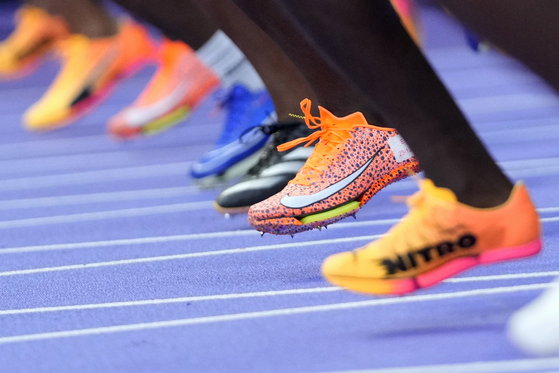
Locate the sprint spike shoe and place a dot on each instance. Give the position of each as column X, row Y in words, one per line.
column 35, row 35
column 241, row 141
column 352, row 161
column 182, row 81
column 91, row 69
column 439, row 238
column 272, row 172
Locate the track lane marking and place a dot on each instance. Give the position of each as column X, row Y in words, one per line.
column 265, row 314
column 188, row 237
column 524, row 365
column 259, row 294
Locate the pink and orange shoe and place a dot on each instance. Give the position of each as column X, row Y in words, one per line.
column 35, row 35
column 439, row 238
column 352, row 161
column 180, row 84
column 91, row 68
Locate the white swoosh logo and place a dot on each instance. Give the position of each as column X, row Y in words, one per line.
column 297, row 202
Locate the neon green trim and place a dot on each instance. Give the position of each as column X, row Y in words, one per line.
column 340, row 210
column 167, row 121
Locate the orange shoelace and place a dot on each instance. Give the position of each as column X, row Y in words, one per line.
column 329, row 137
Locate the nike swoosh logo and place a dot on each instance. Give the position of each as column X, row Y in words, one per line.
column 297, row 202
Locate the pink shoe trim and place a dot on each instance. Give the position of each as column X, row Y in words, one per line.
column 445, row 271
column 522, row 251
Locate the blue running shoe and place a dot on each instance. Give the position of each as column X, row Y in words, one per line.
column 241, row 141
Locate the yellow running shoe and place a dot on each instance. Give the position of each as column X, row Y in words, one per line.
column 35, row 34
column 90, row 69
column 439, row 238
column 181, row 83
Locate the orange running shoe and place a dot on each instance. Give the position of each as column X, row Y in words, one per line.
column 439, row 238
column 180, row 84
column 352, row 161
column 90, row 69
column 35, row 34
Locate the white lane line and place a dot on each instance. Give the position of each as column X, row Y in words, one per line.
column 273, row 293
column 270, row 313
column 128, row 242
column 524, row 168
column 87, row 161
column 152, row 302
column 103, row 215
column 82, row 199
column 188, row 237
column 99, row 176
column 524, row 365
column 184, row 256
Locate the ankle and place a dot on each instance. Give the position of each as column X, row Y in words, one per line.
column 481, row 192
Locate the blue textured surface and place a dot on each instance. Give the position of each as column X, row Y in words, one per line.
column 85, row 220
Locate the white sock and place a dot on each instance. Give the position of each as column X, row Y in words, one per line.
column 229, row 63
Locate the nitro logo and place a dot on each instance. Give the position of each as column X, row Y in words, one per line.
column 409, row 261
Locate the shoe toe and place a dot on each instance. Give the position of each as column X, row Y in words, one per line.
column 42, row 117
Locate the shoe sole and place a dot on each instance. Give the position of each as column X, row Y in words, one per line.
column 237, row 170
column 452, row 268
column 174, row 117
column 231, row 210
column 293, row 225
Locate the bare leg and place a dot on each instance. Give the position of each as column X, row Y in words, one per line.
column 185, row 20
column 364, row 45
column 87, row 17
column 285, row 83
column 527, row 30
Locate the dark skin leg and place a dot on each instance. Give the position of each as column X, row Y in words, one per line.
column 187, row 21
column 364, row 43
column 527, row 29
column 87, row 17
column 285, row 83
column 181, row 20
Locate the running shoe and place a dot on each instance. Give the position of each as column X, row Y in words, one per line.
column 240, row 144
column 91, row 69
column 35, row 34
column 352, row 161
column 179, row 85
column 535, row 327
column 439, row 238
column 272, row 172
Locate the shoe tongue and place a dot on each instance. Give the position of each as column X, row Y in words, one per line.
column 347, row 121
column 444, row 194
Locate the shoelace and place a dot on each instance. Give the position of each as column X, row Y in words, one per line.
column 420, row 220
column 329, row 136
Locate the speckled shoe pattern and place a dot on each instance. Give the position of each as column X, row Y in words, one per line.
column 355, row 170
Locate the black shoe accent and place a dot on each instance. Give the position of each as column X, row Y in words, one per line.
column 262, row 181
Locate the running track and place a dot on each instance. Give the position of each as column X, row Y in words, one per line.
column 110, row 261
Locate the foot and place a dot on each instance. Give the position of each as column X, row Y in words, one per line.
column 241, row 142
column 352, row 161
column 180, row 84
column 535, row 327
column 91, row 68
column 439, row 238
column 272, row 172
column 35, row 35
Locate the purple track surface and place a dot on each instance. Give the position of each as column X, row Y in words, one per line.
column 111, row 261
